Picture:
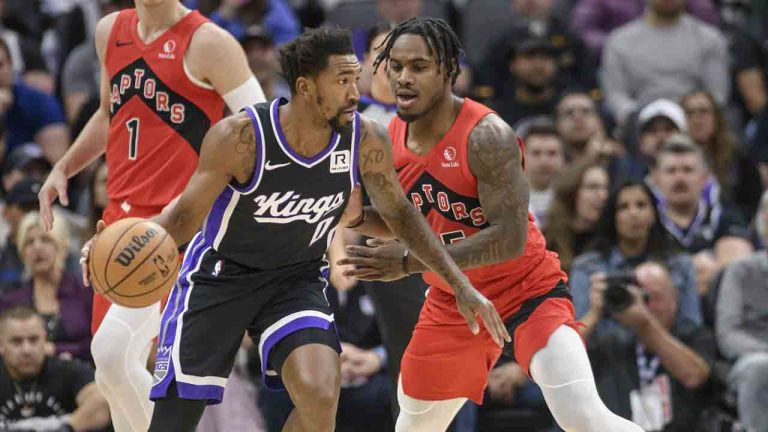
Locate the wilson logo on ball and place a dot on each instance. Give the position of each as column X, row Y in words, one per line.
column 128, row 254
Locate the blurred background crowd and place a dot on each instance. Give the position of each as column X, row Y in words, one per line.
column 646, row 131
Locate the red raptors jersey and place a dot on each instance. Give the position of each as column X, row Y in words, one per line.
column 158, row 116
column 441, row 185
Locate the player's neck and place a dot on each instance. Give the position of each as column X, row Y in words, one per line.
column 154, row 20
column 307, row 138
column 429, row 129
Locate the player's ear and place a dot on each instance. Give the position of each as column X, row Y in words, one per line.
column 304, row 86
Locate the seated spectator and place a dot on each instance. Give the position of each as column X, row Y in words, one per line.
column 364, row 402
column 262, row 58
column 579, row 195
column 378, row 102
column 656, row 122
column 657, row 376
column 58, row 296
column 544, row 160
column 594, row 20
column 26, row 161
column 664, row 54
column 531, row 89
column 629, row 233
column 29, row 114
column 276, row 16
column 39, row 392
column 582, row 129
column 733, row 170
column 28, row 61
column 741, row 325
column 21, row 200
column 704, row 225
column 575, row 64
column 98, row 200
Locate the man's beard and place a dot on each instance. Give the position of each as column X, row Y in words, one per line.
column 336, row 125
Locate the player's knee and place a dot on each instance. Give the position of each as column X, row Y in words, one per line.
column 317, row 392
column 108, row 356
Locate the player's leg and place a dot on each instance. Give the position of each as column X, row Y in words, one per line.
column 425, row 416
column 120, row 349
column 546, row 346
column 443, row 366
column 564, row 374
column 173, row 413
column 202, row 328
column 299, row 350
column 311, row 374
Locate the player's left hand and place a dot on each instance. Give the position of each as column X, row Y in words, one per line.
column 472, row 303
column 85, row 253
column 380, row 260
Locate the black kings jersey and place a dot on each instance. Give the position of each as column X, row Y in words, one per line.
column 288, row 211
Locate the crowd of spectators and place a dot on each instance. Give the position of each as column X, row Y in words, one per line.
column 646, row 130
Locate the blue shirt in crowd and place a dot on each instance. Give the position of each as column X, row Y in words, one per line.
column 32, row 110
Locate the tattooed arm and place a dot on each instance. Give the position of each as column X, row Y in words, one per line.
column 408, row 224
column 495, row 159
column 228, row 152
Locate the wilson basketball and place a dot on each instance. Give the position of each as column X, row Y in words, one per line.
column 133, row 262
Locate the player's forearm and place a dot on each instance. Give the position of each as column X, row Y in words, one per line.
column 89, row 145
column 92, row 413
column 489, row 246
column 683, row 363
column 180, row 226
column 409, row 225
column 374, row 225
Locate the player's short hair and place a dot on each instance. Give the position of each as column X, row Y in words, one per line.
column 442, row 41
column 307, row 55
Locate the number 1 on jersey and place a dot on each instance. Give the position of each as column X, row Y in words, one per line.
column 133, row 139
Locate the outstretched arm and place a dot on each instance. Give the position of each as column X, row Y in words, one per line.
column 407, row 223
column 228, row 152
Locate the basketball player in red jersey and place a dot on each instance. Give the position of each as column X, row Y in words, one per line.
column 167, row 74
column 462, row 166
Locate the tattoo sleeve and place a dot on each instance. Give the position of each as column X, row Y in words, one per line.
column 402, row 218
column 495, row 159
column 227, row 152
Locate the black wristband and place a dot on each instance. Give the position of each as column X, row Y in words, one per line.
column 359, row 222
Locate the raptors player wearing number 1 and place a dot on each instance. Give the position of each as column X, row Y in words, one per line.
column 166, row 75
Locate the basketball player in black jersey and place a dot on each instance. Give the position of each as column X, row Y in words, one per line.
column 271, row 186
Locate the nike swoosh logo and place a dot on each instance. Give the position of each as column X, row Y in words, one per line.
column 120, row 44
column 269, row 167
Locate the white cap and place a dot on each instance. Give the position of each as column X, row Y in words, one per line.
column 663, row 108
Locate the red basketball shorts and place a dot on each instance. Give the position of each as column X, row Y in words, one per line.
column 444, row 360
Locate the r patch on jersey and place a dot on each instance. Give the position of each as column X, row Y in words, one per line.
column 340, row 161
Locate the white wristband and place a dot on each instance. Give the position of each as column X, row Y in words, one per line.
column 247, row 93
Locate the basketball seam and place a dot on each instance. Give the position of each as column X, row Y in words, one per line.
column 112, row 288
column 160, row 285
column 112, row 251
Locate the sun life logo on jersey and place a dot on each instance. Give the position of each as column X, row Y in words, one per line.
column 450, row 158
column 168, row 47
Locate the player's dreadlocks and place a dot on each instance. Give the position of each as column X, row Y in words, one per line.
column 443, row 43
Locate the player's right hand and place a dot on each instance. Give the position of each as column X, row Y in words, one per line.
column 471, row 303
column 55, row 186
column 85, row 253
